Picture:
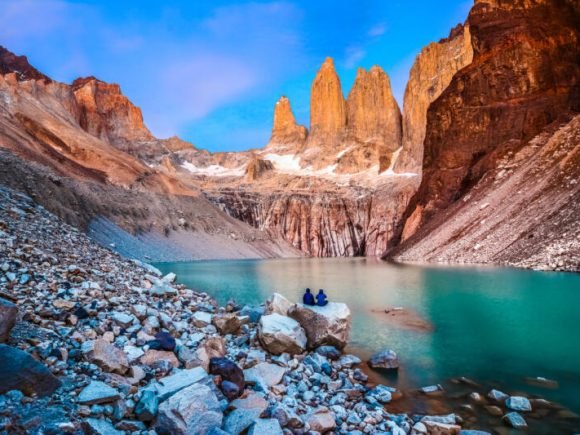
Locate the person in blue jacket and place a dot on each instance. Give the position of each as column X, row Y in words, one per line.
column 321, row 299
column 308, row 298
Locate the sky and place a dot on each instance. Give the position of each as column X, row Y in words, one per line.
column 210, row 72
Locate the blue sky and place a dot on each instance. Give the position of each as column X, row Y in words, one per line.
column 210, row 72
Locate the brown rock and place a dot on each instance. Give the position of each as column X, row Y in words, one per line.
column 10, row 63
column 8, row 314
column 106, row 356
column 226, row 323
column 429, row 77
column 257, row 168
column 152, row 356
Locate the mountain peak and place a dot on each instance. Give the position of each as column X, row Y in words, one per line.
column 11, row 63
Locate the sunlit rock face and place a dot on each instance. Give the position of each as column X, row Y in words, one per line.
column 327, row 108
column 106, row 113
column 524, row 75
column 429, row 77
column 373, row 117
column 10, row 63
column 287, row 135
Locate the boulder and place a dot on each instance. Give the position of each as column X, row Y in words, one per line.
column 497, row 395
column 280, row 334
column 321, row 420
column 386, row 359
column 212, row 347
column 97, row 426
column 106, row 356
column 193, row 410
column 97, row 392
column 8, row 314
column 227, row 323
column 232, row 377
column 328, row 325
column 19, row 371
column 201, row 319
column 277, row 304
column 265, row 426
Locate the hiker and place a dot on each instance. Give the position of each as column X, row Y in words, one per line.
column 321, row 299
column 308, row 298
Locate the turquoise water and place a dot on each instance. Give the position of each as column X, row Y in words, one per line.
column 494, row 325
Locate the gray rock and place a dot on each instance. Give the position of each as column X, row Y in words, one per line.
column 445, row 419
column 168, row 386
column 8, row 314
column 96, row 426
column 518, row 403
column 279, row 334
column 240, row 419
column 497, row 395
column 265, row 374
column 193, row 410
column 349, row 360
column 122, row 319
column 265, row 426
column 201, row 319
column 19, row 371
column 515, row 420
column 148, row 406
column 97, row 392
column 386, row 359
column 277, row 304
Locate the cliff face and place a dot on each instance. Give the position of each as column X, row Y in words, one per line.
column 107, row 114
column 322, row 223
column 429, row 77
column 10, row 63
column 524, row 75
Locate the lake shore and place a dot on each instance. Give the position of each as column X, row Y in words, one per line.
column 96, row 343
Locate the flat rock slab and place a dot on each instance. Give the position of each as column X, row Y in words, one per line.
column 19, row 371
column 98, row 392
column 265, row 374
column 168, row 386
column 239, row 420
column 328, row 325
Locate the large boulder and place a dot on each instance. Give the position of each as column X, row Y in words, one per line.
column 227, row 323
column 277, row 304
column 19, row 371
column 328, row 325
column 279, row 334
column 8, row 313
column 193, row 410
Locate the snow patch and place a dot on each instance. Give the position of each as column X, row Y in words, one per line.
column 214, row 170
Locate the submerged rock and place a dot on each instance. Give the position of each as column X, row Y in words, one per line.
column 518, row 403
column 515, row 420
column 386, row 359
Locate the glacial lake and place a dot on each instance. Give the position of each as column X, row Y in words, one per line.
column 496, row 326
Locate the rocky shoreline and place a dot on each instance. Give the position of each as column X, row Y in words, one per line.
column 95, row 343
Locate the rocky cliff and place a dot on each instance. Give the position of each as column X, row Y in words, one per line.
column 10, row 63
column 106, row 113
column 429, row 77
column 524, row 75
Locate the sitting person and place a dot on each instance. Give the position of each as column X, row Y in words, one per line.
column 321, row 299
column 308, row 298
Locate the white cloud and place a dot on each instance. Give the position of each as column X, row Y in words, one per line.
column 353, row 55
column 377, row 30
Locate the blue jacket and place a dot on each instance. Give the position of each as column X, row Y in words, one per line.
column 321, row 299
column 308, row 299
